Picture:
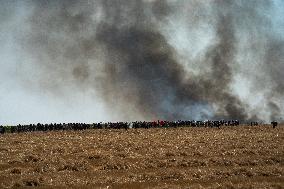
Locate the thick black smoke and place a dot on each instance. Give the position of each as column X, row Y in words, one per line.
column 118, row 49
column 147, row 64
column 144, row 66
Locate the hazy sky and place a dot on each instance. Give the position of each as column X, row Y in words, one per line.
column 54, row 56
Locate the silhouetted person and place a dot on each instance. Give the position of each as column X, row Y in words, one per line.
column 274, row 124
column 2, row 130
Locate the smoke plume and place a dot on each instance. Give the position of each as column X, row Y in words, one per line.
column 154, row 59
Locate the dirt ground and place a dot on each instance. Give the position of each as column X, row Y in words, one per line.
column 230, row 157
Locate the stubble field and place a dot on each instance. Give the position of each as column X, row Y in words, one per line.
column 230, row 157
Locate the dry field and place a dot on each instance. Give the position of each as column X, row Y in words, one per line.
column 231, row 157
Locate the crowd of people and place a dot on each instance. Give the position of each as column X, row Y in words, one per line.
column 121, row 125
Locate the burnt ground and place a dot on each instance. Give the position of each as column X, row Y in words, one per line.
column 230, row 157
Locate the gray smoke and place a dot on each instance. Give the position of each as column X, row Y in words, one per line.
column 128, row 55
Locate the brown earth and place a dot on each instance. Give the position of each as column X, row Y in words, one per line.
column 230, row 157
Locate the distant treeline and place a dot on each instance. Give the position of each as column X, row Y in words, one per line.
column 120, row 125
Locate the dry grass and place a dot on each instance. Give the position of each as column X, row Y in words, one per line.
column 231, row 157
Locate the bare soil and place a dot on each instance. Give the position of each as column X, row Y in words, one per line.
column 230, row 157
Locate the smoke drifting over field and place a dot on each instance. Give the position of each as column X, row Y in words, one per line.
column 150, row 59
